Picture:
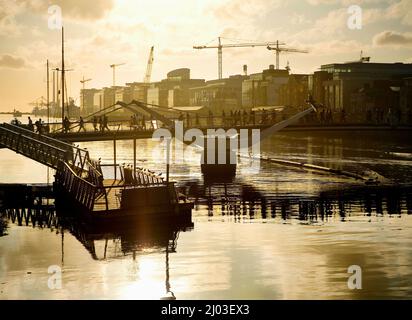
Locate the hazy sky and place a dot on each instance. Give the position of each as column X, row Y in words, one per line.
column 101, row 32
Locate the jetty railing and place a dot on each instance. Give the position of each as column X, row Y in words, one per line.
column 140, row 177
column 79, row 188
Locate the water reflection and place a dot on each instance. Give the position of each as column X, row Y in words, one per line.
column 105, row 242
column 244, row 201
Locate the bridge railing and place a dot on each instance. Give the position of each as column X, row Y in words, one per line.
column 39, row 151
column 51, row 141
column 76, row 156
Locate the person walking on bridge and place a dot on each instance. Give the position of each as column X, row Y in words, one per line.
column 252, row 117
column 38, row 126
column 101, row 127
column 95, row 123
column 30, row 125
column 210, row 118
column 81, row 124
column 105, row 123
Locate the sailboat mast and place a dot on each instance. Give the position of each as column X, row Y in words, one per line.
column 62, row 74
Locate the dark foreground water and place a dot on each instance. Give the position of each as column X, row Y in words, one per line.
column 279, row 233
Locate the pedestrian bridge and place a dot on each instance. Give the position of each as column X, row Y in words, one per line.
column 76, row 174
column 41, row 148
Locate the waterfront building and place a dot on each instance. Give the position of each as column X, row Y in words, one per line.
column 219, row 94
column 174, row 90
column 138, row 90
column 316, row 87
column 104, row 98
column 348, row 78
column 295, row 92
column 262, row 89
column 87, row 100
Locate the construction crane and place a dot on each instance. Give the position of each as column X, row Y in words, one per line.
column 113, row 66
column 279, row 49
column 149, row 67
column 83, row 84
column 220, row 47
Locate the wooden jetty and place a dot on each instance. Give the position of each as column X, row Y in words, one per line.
column 80, row 185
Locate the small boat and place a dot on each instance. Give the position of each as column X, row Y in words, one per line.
column 17, row 113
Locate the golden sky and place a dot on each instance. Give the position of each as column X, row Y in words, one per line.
column 102, row 32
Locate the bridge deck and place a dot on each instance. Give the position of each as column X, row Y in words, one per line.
column 147, row 134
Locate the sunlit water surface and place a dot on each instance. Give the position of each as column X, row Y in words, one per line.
column 279, row 233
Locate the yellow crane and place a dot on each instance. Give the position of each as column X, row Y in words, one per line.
column 149, row 67
column 278, row 49
column 220, row 47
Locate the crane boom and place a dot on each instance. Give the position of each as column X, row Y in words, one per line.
column 233, row 45
column 148, row 74
column 220, row 46
column 283, row 49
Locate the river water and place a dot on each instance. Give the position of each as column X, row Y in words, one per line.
column 272, row 233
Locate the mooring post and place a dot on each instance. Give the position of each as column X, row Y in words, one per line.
column 114, row 157
column 134, row 155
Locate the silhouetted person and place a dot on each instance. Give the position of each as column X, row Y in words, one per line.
column 244, row 117
column 188, row 119
column 105, row 123
column 81, row 125
column 101, row 127
column 322, row 116
column 95, row 124
column 30, row 125
column 252, row 117
column 210, row 117
column 39, row 126
column 343, row 116
column 264, row 116
column 273, row 117
column 389, row 117
column 330, row 116
column 143, row 123
column 151, row 122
